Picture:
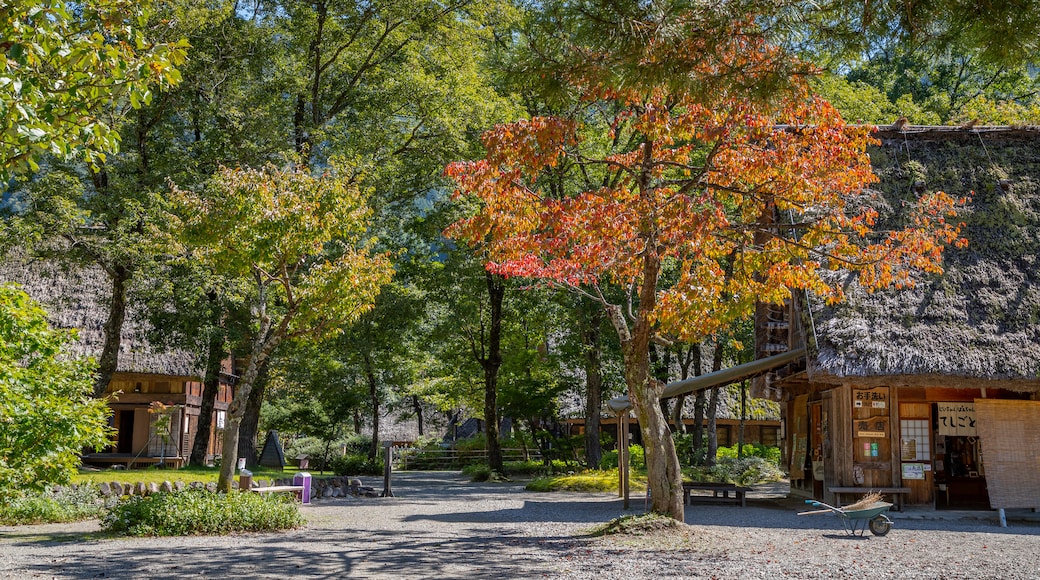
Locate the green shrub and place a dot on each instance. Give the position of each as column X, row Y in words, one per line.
column 524, row 467
column 771, row 454
column 65, row 505
column 199, row 512
column 356, row 464
column 637, row 459
column 747, row 471
column 477, row 472
column 358, row 444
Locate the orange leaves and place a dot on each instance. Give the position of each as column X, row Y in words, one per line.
column 741, row 199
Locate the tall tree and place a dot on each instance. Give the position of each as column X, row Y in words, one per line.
column 299, row 240
column 691, row 171
column 66, row 67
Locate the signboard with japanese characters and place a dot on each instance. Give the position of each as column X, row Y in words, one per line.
column 956, row 419
column 913, row 470
column 872, row 428
column 870, row 398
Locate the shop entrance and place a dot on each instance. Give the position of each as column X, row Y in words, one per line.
column 960, row 473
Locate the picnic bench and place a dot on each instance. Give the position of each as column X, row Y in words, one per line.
column 298, row 489
column 720, row 493
column 897, row 494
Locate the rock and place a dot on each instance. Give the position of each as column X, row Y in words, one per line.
column 178, row 485
column 197, row 485
column 140, row 488
column 234, row 484
column 128, row 489
column 211, row 487
column 105, row 489
column 355, row 483
column 153, row 488
column 166, row 487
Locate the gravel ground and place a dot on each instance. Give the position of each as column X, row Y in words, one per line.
column 440, row 526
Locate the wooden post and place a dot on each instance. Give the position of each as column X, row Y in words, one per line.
column 620, row 457
column 388, row 459
column 626, row 476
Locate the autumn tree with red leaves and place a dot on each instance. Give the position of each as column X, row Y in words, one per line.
column 738, row 198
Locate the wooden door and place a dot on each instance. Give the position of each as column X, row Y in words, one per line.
column 915, row 451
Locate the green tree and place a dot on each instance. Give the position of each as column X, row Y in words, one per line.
column 47, row 414
column 65, row 67
column 299, row 240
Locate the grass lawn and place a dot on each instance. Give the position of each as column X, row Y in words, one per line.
column 185, row 474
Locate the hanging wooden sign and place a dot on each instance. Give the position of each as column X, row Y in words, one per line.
column 873, row 428
column 870, row 398
column 956, row 419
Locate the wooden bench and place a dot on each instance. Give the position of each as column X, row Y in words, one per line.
column 720, row 493
column 897, row 494
column 298, row 489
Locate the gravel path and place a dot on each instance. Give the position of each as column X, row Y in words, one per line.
column 441, row 526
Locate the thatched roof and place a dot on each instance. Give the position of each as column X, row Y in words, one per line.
column 977, row 325
column 76, row 297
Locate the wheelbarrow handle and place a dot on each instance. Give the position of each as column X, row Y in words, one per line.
column 809, row 513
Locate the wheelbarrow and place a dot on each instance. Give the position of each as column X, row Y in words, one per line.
column 857, row 521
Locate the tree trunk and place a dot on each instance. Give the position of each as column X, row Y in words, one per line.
column 373, row 397
column 664, row 478
column 713, row 436
column 257, row 359
column 593, row 387
column 699, row 403
column 118, row 275
column 210, row 390
column 491, row 362
column 677, row 415
column 713, row 407
column 417, row 406
column 743, row 419
column 662, row 464
column 247, row 432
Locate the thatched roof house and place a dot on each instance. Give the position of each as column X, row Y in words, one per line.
column 980, row 321
column 902, row 389
column 76, row 297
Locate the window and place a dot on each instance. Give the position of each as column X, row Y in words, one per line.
column 221, row 418
column 914, row 440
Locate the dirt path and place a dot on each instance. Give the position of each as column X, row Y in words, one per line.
column 441, row 526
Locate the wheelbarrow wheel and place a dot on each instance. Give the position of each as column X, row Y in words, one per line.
column 880, row 526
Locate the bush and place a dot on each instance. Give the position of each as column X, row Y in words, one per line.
column 198, row 512
column 356, row 464
column 314, row 448
column 65, row 505
column 747, row 471
column 771, row 454
column 637, row 459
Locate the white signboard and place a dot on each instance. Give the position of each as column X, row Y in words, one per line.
column 913, row 471
column 956, row 419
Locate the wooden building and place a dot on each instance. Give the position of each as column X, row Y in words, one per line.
column 76, row 298
column 930, row 391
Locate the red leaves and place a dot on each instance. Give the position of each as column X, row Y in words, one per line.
column 744, row 200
